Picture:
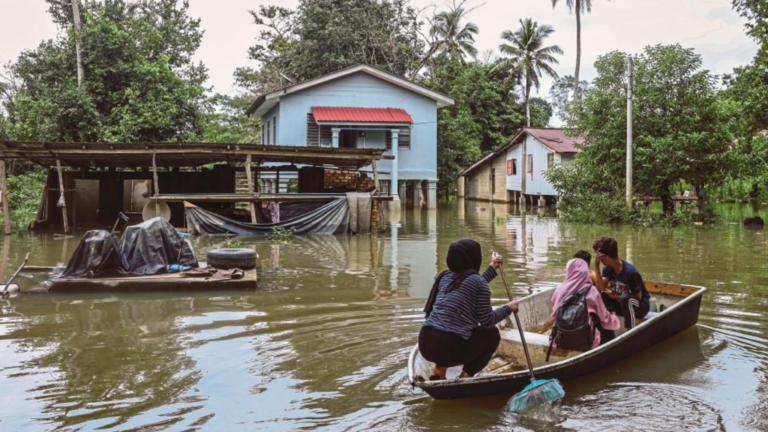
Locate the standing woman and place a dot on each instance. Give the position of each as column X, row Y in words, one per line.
column 460, row 328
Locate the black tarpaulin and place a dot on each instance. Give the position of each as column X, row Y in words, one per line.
column 97, row 253
column 144, row 249
column 149, row 247
column 334, row 217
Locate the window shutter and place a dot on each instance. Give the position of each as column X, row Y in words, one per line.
column 326, row 136
column 313, row 131
column 388, row 139
column 529, row 165
column 509, row 166
column 404, row 138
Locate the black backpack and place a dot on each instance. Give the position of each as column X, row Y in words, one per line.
column 572, row 330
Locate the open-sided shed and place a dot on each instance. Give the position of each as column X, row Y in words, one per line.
column 108, row 178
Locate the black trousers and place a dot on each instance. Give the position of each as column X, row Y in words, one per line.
column 447, row 349
column 629, row 307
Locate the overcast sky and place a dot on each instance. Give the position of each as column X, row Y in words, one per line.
column 709, row 26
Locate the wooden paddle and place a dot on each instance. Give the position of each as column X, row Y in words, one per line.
column 538, row 392
column 10, row 281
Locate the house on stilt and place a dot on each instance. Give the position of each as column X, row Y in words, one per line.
column 514, row 172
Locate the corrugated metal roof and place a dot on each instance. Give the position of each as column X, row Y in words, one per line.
column 361, row 115
column 555, row 139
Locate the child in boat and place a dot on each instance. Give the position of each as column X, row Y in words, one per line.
column 621, row 285
column 601, row 320
column 460, row 328
column 586, row 256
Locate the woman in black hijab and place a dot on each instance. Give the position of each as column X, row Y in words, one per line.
column 460, row 328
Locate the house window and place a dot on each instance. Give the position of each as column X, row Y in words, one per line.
column 274, row 130
column 263, row 141
column 403, row 138
column 313, row 131
column 493, row 181
column 529, row 165
column 511, row 167
column 550, row 160
column 266, row 141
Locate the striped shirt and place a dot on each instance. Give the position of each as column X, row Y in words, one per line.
column 466, row 306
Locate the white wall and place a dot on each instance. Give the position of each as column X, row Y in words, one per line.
column 535, row 182
column 514, row 182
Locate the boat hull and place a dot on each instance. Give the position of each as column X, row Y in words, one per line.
column 663, row 326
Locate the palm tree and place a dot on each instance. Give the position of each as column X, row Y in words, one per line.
column 449, row 36
column 527, row 58
column 578, row 6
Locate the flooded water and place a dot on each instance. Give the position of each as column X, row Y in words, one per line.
column 322, row 345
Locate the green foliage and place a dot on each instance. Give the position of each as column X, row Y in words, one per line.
column 486, row 115
column 24, row 193
column 450, row 36
column 280, row 234
column 678, row 132
column 587, row 201
column 233, row 244
column 561, row 91
column 140, row 82
column 323, row 36
column 527, row 58
column 225, row 122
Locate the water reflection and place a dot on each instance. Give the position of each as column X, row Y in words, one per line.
column 322, row 344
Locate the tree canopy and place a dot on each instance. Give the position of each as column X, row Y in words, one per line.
column 677, row 129
column 140, row 82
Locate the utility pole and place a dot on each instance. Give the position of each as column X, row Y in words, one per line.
column 630, row 77
column 78, row 48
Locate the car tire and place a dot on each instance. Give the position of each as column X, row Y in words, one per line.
column 225, row 259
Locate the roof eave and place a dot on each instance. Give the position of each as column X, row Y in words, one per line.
column 442, row 100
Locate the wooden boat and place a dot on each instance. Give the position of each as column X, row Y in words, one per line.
column 674, row 308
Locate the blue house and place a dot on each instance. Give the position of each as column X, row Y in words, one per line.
column 361, row 107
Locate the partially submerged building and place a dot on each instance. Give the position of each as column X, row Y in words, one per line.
column 360, row 107
column 91, row 184
column 515, row 171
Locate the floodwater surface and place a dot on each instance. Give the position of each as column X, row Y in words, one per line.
column 323, row 344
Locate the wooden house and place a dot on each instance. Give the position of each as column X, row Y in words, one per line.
column 360, row 107
column 515, row 171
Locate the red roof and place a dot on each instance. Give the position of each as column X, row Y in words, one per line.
column 361, row 115
column 555, row 139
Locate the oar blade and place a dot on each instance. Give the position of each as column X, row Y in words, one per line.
column 538, row 392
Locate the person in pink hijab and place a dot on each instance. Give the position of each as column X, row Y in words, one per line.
column 577, row 277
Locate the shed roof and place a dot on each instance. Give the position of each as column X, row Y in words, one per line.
column 137, row 155
column 554, row 139
column 265, row 102
column 360, row 115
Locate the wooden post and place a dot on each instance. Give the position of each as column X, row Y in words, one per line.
column 277, row 181
column 63, row 199
column 4, row 190
column 157, row 185
column 249, row 176
column 375, row 176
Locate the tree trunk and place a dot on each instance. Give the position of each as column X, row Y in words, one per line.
column 78, row 48
column 667, row 204
column 527, row 102
column 578, row 49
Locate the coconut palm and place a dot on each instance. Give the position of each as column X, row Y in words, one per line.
column 578, row 6
column 451, row 37
column 528, row 58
